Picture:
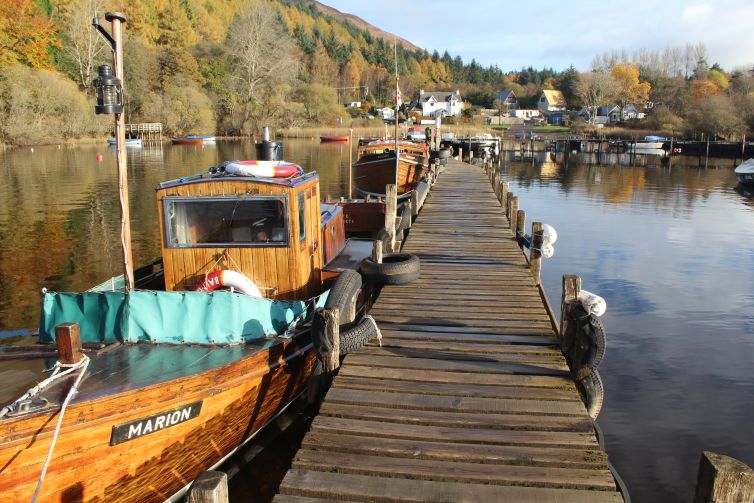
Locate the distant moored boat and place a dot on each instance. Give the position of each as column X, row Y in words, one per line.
column 745, row 172
column 333, row 138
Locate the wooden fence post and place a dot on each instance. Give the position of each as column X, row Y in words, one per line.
column 332, row 333
column 68, row 342
column 723, row 479
column 391, row 209
column 535, row 255
column 209, row 487
column 377, row 251
column 571, row 290
column 513, row 212
column 520, row 227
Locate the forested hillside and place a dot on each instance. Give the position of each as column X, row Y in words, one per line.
column 231, row 66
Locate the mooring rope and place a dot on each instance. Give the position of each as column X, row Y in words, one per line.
column 82, row 364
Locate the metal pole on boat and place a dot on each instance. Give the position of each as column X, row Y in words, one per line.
column 350, row 163
column 397, row 103
column 115, row 39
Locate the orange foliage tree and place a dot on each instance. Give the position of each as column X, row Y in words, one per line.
column 629, row 90
column 702, row 88
column 26, row 35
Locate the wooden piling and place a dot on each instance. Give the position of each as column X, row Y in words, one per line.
column 332, row 334
column 391, row 210
column 535, row 256
column 68, row 342
column 377, row 251
column 508, row 198
column 568, row 301
column 520, row 227
column 723, row 479
column 513, row 212
column 504, row 194
column 209, row 487
column 414, row 203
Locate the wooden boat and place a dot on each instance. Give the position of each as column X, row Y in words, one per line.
column 204, row 138
column 745, row 172
column 178, row 377
column 376, row 167
column 185, row 140
column 333, row 138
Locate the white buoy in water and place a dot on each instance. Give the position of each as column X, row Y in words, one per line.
column 592, row 304
column 549, row 234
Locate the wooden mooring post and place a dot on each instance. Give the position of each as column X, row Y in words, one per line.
column 723, row 479
column 332, row 334
column 520, row 227
column 209, row 487
column 535, row 255
column 568, row 302
column 503, row 195
column 391, row 210
column 513, row 212
column 68, row 342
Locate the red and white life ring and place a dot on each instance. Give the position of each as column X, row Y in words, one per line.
column 265, row 169
column 236, row 280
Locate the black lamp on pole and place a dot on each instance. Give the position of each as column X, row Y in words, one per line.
column 109, row 92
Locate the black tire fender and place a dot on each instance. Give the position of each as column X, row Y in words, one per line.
column 395, row 269
column 592, row 393
column 358, row 335
column 343, row 293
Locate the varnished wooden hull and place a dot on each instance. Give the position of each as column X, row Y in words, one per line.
column 372, row 173
column 240, row 390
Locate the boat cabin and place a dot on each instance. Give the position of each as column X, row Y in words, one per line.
column 266, row 228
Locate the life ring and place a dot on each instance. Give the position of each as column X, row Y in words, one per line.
column 232, row 279
column 263, row 169
column 395, row 269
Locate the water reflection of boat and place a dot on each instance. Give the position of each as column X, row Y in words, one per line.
column 130, row 142
column 185, row 371
column 745, row 172
column 549, row 169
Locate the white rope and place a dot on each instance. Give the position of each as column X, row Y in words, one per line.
column 82, row 364
column 376, row 327
column 56, row 374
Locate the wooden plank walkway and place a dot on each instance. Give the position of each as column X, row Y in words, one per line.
column 469, row 397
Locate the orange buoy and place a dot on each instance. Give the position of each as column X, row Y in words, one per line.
column 99, row 156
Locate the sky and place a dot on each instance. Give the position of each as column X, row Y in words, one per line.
column 549, row 33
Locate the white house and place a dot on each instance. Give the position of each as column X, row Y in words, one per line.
column 443, row 103
column 551, row 101
column 385, row 113
column 353, row 104
column 525, row 113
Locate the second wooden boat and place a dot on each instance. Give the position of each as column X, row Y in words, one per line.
column 376, row 167
column 333, row 138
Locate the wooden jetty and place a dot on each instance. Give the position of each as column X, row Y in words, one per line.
column 469, row 397
column 148, row 132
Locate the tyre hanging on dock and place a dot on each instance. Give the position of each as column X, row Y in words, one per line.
column 358, row 335
column 395, row 269
column 592, row 393
column 343, row 295
column 586, row 349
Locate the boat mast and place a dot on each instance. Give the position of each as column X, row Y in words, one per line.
column 115, row 42
column 397, row 102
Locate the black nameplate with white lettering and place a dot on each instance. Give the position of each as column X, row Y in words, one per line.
column 157, row 422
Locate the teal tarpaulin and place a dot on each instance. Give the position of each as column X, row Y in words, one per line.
column 220, row 317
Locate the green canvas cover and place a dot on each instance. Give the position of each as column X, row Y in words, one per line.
column 146, row 316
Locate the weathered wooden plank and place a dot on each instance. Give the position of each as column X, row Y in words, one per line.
column 490, row 367
column 450, row 471
column 422, row 449
column 539, row 358
column 416, row 401
column 464, row 346
column 456, row 389
column 458, row 419
column 339, row 486
column 432, row 375
column 576, row 440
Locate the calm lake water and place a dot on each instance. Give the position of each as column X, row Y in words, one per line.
column 670, row 249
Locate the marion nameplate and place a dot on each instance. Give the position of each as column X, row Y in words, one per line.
column 145, row 426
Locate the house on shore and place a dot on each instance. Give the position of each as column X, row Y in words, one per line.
column 507, row 101
column 442, row 103
column 553, row 105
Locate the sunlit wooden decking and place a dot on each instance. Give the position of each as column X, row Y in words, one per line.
column 469, row 397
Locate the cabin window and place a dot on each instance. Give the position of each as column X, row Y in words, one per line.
column 302, row 217
column 225, row 222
